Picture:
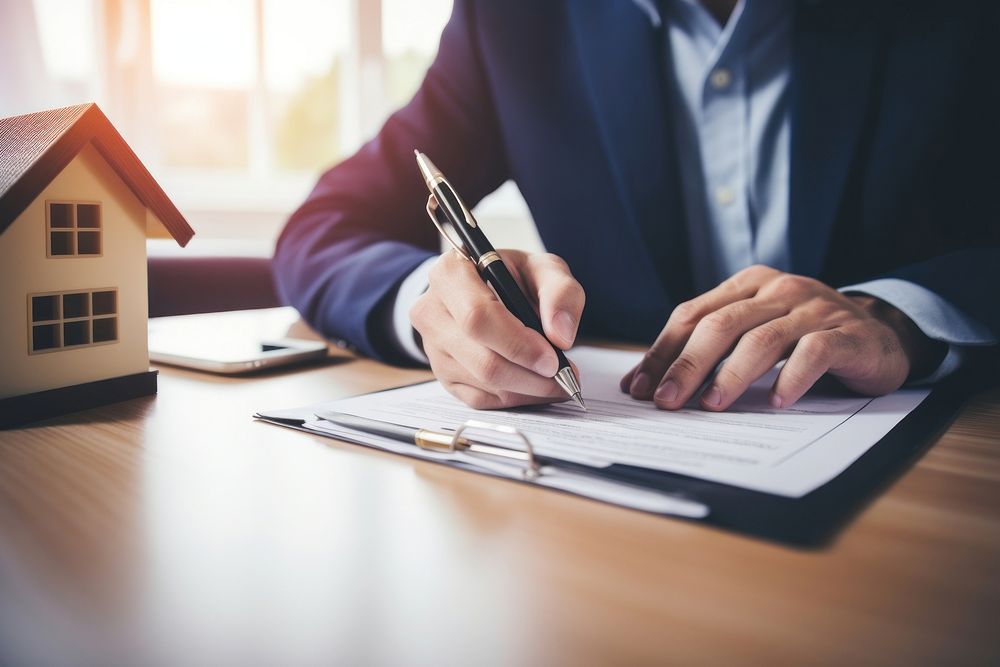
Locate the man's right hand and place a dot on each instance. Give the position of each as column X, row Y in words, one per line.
column 479, row 351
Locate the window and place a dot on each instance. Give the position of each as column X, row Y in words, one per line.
column 410, row 34
column 235, row 106
column 66, row 320
column 73, row 229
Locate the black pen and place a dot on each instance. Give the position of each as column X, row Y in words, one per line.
column 448, row 211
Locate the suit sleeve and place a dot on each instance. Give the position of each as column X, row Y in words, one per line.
column 363, row 228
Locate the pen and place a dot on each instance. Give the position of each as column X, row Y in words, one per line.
column 448, row 211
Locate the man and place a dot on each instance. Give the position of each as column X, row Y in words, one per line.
column 822, row 175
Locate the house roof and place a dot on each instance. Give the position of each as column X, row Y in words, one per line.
column 35, row 147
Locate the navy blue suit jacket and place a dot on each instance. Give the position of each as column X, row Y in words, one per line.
column 895, row 160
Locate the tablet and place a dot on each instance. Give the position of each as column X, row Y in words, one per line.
column 231, row 343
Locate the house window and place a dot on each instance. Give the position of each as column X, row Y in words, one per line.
column 64, row 320
column 73, row 229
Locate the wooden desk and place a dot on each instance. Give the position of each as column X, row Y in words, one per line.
column 176, row 530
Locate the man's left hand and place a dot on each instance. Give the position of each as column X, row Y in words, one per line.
column 762, row 315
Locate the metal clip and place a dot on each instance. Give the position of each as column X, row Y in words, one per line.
column 443, row 225
column 532, row 470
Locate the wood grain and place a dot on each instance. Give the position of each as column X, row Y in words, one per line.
column 176, row 530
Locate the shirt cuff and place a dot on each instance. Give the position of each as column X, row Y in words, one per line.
column 401, row 331
column 934, row 316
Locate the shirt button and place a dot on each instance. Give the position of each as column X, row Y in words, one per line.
column 724, row 195
column 721, row 78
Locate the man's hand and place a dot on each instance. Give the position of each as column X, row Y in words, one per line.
column 479, row 351
column 762, row 315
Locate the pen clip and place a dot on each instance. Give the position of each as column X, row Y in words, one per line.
column 532, row 470
column 444, row 226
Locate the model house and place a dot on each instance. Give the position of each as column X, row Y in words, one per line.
column 76, row 207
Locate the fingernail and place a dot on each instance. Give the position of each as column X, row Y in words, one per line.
column 546, row 365
column 776, row 401
column 667, row 393
column 565, row 326
column 712, row 397
column 641, row 384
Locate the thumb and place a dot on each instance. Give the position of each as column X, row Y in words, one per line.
column 560, row 297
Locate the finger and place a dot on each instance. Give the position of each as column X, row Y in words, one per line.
column 485, row 322
column 756, row 353
column 815, row 354
column 487, row 370
column 560, row 297
column 474, row 397
column 626, row 382
column 429, row 317
column 710, row 342
column 683, row 321
column 480, row 399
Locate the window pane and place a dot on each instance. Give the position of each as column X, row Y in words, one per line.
column 44, row 336
column 88, row 215
column 61, row 243
column 203, row 65
column 44, row 308
column 89, row 243
column 104, row 303
column 303, row 85
column 410, row 34
column 60, row 215
column 76, row 333
column 76, row 305
column 105, row 329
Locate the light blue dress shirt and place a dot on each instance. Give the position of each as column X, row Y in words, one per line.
column 733, row 133
column 733, row 127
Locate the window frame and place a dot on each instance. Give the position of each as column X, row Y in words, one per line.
column 60, row 321
column 73, row 231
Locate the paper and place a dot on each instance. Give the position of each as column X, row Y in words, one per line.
column 786, row 452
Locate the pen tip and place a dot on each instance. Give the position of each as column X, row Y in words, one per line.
column 579, row 401
column 416, row 152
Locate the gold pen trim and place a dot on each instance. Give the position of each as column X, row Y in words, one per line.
column 437, row 442
column 488, row 259
column 447, row 444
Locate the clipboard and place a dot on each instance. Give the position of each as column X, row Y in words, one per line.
column 811, row 521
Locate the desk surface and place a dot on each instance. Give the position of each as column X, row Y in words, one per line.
column 176, row 530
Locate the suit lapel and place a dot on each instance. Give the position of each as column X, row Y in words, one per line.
column 622, row 59
column 833, row 65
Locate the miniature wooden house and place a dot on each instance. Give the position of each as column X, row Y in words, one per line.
column 76, row 207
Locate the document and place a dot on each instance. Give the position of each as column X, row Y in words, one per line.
column 787, row 452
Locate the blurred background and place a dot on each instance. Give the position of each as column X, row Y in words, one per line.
column 235, row 106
